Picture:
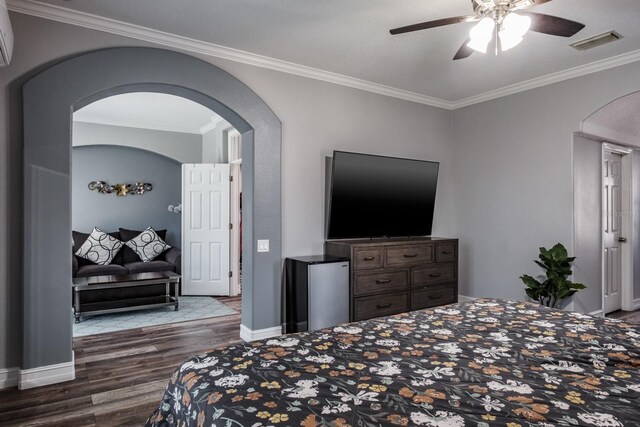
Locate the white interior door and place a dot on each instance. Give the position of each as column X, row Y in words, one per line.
column 205, row 229
column 612, row 224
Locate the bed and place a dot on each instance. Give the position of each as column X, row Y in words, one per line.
column 481, row 363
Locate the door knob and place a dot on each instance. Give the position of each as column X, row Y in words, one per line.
column 622, row 239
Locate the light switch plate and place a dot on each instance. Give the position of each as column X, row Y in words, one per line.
column 263, row 246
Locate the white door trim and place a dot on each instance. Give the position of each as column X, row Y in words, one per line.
column 235, row 219
column 626, row 225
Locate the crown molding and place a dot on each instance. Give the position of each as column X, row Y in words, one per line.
column 112, row 26
column 211, row 124
column 579, row 71
column 94, row 22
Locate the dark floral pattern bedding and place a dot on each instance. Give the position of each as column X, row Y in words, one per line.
column 483, row 363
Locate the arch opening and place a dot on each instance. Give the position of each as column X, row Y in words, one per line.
column 49, row 100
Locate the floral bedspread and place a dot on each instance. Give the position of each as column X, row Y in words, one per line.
column 483, row 363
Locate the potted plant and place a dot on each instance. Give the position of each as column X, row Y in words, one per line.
column 556, row 287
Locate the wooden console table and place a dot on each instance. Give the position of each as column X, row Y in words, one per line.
column 105, row 292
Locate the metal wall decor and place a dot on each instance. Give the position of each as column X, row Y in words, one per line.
column 120, row 190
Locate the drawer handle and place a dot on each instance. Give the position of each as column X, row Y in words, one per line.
column 381, row 281
column 387, row 305
column 435, row 274
column 435, row 296
column 368, row 258
column 447, row 252
column 410, row 255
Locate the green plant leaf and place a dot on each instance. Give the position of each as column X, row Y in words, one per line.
column 530, row 281
column 557, row 265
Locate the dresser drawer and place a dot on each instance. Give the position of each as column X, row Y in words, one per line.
column 380, row 305
column 367, row 259
column 408, row 255
column 446, row 252
column 368, row 283
column 432, row 296
column 434, row 273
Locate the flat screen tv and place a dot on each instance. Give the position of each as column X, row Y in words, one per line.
column 376, row 196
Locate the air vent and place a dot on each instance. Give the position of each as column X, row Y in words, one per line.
column 596, row 41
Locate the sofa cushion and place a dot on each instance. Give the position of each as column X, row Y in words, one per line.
column 149, row 266
column 128, row 254
column 99, row 248
column 79, row 238
column 101, row 270
column 148, row 245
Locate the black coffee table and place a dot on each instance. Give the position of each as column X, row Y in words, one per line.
column 112, row 294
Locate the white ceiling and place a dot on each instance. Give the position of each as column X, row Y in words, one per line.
column 149, row 111
column 351, row 37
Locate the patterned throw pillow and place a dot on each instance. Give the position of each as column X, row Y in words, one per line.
column 148, row 245
column 99, row 248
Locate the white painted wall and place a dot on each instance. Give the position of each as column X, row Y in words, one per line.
column 513, row 176
column 214, row 147
column 183, row 147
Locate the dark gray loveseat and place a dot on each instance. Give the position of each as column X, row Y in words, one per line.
column 126, row 261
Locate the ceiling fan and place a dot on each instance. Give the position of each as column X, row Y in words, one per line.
column 499, row 18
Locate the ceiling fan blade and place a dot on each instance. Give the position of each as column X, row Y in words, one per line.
column 433, row 24
column 553, row 25
column 464, row 51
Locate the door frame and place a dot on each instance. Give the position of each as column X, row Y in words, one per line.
column 626, row 285
column 235, row 215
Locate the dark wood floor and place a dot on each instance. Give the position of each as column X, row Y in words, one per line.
column 628, row 316
column 120, row 376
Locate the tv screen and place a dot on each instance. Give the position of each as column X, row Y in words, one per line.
column 377, row 196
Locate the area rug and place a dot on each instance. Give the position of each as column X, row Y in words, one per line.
column 191, row 308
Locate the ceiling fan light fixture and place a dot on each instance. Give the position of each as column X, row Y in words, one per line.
column 513, row 29
column 481, row 34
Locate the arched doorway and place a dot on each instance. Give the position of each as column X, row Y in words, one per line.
column 612, row 274
column 49, row 100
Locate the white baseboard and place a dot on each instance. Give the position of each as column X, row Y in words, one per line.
column 45, row 375
column 597, row 313
column 8, row 377
column 259, row 334
column 636, row 304
column 464, row 298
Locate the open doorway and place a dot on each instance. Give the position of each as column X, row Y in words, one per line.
column 606, row 173
column 617, row 204
column 134, row 159
column 49, row 99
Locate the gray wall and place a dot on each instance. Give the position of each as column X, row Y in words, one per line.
column 513, row 179
column 108, row 212
column 317, row 118
column 587, row 245
column 183, row 147
column 504, row 188
column 214, row 147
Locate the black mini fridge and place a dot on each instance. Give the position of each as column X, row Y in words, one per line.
column 316, row 293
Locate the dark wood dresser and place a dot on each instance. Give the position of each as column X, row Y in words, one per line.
column 389, row 276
